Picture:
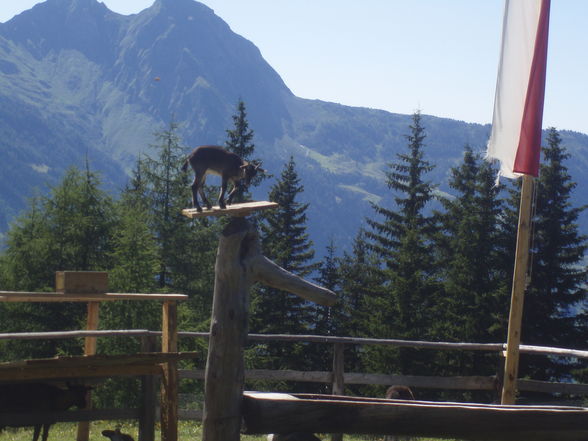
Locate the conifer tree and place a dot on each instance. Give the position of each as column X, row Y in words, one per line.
column 328, row 277
column 557, row 289
column 185, row 248
column 402, row 239
column 286, row 242
column 67, row 230
column 468, row 253
column 240, row 141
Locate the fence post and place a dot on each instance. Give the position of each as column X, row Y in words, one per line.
column 169, row 383
column 147, row 413
column 90, row 344
column 338, row 378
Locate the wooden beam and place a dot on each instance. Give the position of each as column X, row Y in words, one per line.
column 268, row 273
column 271, row 413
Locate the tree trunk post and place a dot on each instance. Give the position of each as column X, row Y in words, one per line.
column 225, row 373
column 239, row 263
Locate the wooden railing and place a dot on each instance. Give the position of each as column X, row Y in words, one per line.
column 336, row 377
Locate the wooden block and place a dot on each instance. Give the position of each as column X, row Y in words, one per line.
column 81, row 282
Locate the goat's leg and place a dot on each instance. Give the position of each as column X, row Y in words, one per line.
column 232, row 193
column 221, row 197
column 45, row 431
column 203, row 194
column 37, row 432
column 195, row 195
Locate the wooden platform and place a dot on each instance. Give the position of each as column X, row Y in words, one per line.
column 275, row 413
column 242, row 209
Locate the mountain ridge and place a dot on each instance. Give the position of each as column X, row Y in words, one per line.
column 102, row 89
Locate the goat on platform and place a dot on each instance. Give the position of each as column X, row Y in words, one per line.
column 40, row 397
column 213, row 159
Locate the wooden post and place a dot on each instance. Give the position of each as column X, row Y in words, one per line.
column 519, row 283
column 89, row 349
column 148, row 401
column 338, row 378
column 239, row 264
column 169, row 381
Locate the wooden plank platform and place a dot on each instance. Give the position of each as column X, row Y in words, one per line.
column 275, row 413
column 90, row 366
column 242, row 209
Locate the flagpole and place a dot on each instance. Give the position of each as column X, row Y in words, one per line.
column 519, row 284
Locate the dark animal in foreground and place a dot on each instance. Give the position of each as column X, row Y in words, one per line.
column 399, row 393
column 116, row 435
column 294, row 436
column 39, row 397
column 213, row 159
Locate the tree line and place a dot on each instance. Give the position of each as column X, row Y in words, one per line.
column 426, row 266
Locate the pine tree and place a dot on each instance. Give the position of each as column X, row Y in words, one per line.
column 286, row 242
column 240, row 141
column 557, row 289
column 403, row 242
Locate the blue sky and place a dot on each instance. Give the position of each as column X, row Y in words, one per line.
column 439, row 56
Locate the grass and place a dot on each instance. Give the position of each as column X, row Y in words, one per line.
column 187, row 431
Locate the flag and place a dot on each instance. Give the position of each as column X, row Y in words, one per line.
column 515, row 139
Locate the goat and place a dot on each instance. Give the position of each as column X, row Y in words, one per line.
column 116, row 435
column 213, row 159
column 293, row 436
column 38, row 397
column 399, row 393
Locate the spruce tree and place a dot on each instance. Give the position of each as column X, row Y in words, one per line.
column 557, row 290
column 286, row 242
column 468, row 258
column 328, row 277
column 402, row 239
column 240, row 141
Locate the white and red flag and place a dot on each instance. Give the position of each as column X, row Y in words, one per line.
column 518, row 107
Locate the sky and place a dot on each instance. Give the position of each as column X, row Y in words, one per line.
column 436, row 56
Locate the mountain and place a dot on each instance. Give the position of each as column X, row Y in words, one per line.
column 79, row 82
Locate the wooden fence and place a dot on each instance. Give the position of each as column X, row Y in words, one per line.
column 336, row 377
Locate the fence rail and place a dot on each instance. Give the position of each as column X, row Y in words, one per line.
column 338, row 378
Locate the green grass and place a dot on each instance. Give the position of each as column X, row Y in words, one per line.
column 187, row 431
